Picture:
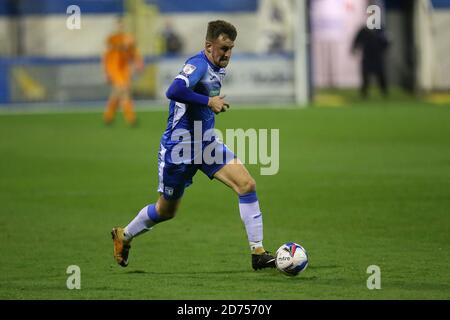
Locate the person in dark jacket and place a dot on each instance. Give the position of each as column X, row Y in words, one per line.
column 374, row 44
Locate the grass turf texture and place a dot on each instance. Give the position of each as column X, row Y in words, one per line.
column 360, row 186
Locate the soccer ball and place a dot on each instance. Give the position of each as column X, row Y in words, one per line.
column 291, row 259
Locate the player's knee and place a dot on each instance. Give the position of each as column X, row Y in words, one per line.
column 167, row 213
column 167, row 216
column 246, row 186
column 166, row 210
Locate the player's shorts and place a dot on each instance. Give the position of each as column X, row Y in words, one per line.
column 175, row 177
column 119, row 79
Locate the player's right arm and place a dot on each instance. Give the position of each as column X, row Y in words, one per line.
column 181, row 89
column 135, row 55
column 105, row 65
column 106, row 59
column 218, row 104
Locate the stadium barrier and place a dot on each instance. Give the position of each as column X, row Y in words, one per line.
column 250, row 78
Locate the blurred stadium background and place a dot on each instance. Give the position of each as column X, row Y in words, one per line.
column 287, row 51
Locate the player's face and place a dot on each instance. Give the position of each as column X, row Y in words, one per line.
column 219, row 50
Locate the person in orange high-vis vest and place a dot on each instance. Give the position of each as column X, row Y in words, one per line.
column 120, row 61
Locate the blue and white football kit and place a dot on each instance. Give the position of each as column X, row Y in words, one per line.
column 189, row 133
column 187, row 145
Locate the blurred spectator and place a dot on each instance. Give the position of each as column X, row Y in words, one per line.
column 329, row 20
column 172, row 41
column 275, row 25
column 374, row 44
column 120, row 60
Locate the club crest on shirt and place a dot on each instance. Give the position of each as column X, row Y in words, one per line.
column 188, row 69
column 168, row 191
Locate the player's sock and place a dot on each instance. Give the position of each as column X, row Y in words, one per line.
column 257, row 247
column 143, row 222
column 252, row 217
column 129, row 113
column 110, row 111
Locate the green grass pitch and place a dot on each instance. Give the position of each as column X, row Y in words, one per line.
column 358, row 186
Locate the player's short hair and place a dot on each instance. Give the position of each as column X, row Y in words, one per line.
column 218, row 27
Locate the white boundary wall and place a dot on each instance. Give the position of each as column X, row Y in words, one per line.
column 433, row 46
column 249, row 78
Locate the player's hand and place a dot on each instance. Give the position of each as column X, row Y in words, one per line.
column 218, row 104
column 108, row 78
column 139, row 67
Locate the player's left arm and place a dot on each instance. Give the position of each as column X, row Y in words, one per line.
column 106, row 60
column 135, row 55
column 182, row 88
column 138, row 61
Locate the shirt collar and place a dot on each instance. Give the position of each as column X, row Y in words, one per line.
column 215, row 68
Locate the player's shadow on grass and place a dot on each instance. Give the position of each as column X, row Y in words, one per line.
column 137, row 272
column 224, row 271
column 186, row 273
column 323, row 267
column 273, row 275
